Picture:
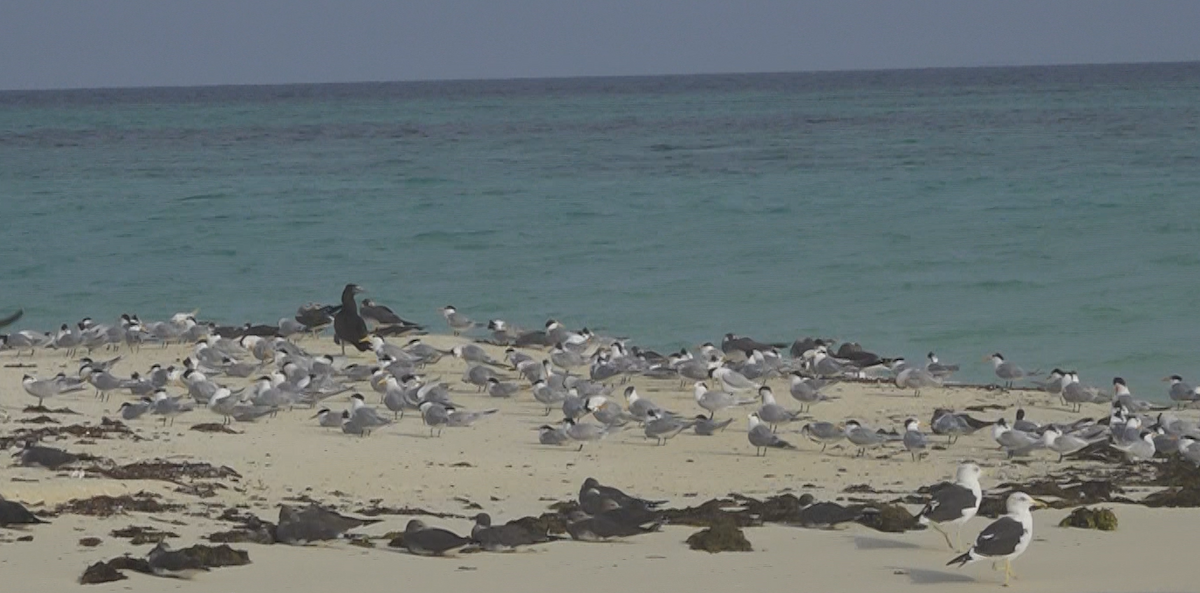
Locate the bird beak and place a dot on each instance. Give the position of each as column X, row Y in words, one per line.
column 986, row 358
column 1040, row 504
column 1165, row 379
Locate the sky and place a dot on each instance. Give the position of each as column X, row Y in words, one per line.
column 121, row 43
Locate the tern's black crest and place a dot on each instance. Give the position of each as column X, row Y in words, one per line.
column 348, row 326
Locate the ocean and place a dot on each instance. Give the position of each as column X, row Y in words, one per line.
column 1048, row 213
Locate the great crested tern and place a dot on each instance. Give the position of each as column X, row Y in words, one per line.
column 771, row 412
column 458, row 322
column 715, row 401
column 824, row 433
column 914, row 439
column 705, row 426
column 1007, row 372
column 762, row 438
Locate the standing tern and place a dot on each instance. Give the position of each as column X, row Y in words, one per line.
column 762, row 438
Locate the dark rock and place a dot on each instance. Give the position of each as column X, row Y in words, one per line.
column 90, row 542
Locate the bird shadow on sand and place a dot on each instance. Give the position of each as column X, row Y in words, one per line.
column 878, row 543
column 924, row 576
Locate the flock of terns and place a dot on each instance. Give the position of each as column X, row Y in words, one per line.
column 578, row 376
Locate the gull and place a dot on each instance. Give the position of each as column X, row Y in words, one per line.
column 601, row 527
column 616, row 495
column 937, row 368
column 1006, row 538
column 664, row 428
column 497, row 538
column 314, row 523
column 1181, row 393
column 457, row 321
column 762, row 438
column 772, row 413
column 954, row 504
column 807, row 391
column 45, row 388
column 705, row 426
column 714, row 401
column 914, row 439
column 1007, row 371
column 14, row 513
column 48, row 457
column 422, row 540
column 825, row 433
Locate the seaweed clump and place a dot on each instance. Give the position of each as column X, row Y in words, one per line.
column 101, row 572
column 722, row 537
column 1085, row 518
column 107, row 506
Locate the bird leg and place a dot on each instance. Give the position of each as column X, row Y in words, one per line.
column 944, row 534
column 1008, row 572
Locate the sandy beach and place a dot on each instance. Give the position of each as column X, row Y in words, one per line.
column 499, row 467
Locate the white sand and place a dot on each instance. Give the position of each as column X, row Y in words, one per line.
column 511, row 475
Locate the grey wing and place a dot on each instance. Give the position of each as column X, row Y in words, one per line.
column 1000, row 538
column 914, row 440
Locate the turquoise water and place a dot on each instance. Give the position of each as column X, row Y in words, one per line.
column 1048, row 213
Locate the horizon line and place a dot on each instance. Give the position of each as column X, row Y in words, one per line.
column 588, row 76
